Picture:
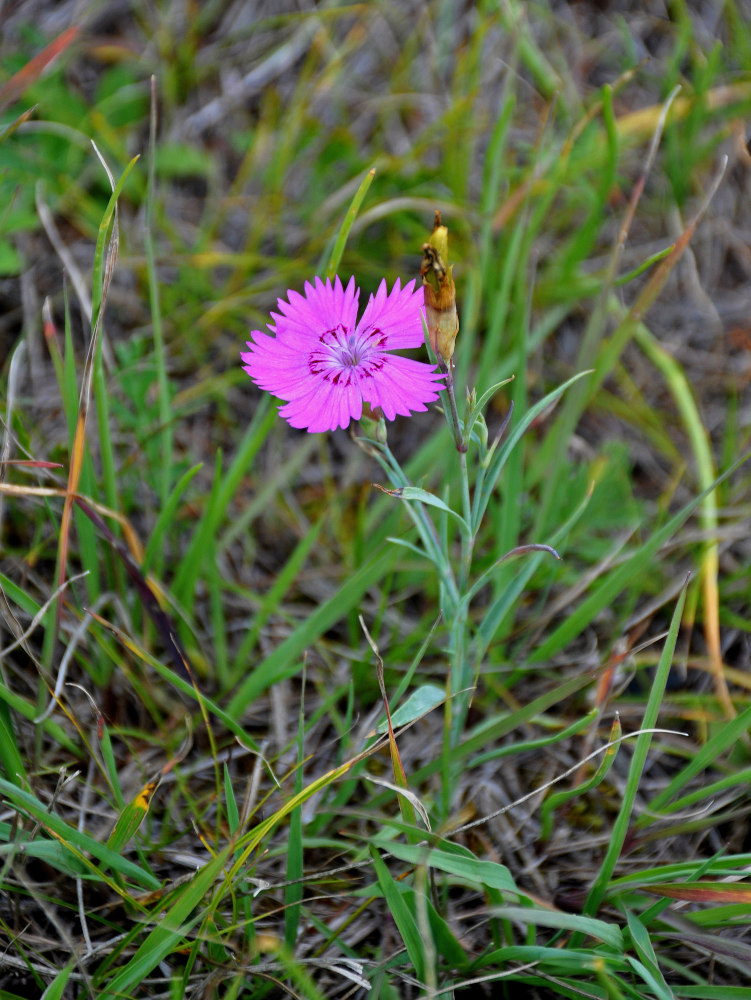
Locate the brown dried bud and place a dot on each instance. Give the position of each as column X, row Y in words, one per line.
column 440, row 294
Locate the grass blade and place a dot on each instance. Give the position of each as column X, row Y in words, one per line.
column 643, row 742
column 293, row 891
column 341, row 237
column 400, row 911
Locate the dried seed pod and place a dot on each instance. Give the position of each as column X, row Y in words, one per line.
column 440, row 294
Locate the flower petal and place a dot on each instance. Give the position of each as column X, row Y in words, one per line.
column 324, row 408
column 396, row 315
column 403, row 386
column 276, row 366
column 323, row 307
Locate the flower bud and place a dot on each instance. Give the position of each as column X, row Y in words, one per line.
column 372, row 423
column 440, row 294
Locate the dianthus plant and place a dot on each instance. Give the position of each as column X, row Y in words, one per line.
column 331, row 369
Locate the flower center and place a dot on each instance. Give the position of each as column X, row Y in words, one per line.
column 348, row 352
column 341, row 352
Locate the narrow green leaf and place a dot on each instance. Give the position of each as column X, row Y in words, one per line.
column 400, row 911
column 19, row 596
column 233, row 813
column 166, row 517
column 9, row 129
column 51, row 852
column 293, row 891
column 131, row 817
column 643, row 947
column 610, row 934
column 11, row 760
column 56, row 988
column 191, row 564
column 557, row 799
column 97, row 284
column 479, row 408
column 554, row 960
column 643, row 743
column 423, row 700
column 486, row 873
column 335, row 257
column 655, row 983
column 499, row 459
column 707, row 992
column 446, row 944
column 431, row 500
column 409, row 545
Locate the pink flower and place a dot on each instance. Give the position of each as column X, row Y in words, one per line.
column 325, row 364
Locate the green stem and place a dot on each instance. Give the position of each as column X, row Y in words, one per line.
column 452, row 414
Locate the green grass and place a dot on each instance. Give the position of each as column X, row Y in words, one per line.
column 200, row 793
